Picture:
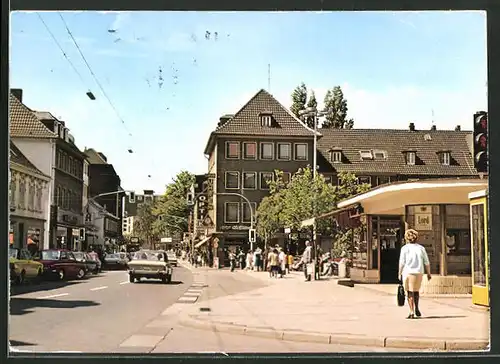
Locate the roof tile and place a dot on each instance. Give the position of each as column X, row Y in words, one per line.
column 24, row 123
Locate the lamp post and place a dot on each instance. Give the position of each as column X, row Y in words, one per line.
column 312, row 111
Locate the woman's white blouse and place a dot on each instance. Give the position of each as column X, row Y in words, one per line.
column 413, row 258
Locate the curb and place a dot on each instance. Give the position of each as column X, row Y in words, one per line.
column 449, row 344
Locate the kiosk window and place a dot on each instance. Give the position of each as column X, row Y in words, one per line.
column 478, row 245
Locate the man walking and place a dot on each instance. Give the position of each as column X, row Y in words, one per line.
column 307, row 259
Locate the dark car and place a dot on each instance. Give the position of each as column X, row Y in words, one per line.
column 116, row 261
column 61, row 264
column 91, row 265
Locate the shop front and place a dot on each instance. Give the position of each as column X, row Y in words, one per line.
column 437, row 209
column 479, row 247
column 26, row 233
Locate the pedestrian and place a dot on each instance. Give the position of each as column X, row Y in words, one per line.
column 259, row 260
column 413, row 261
column 241, row 258
column 232, row 260
column 306, row 260
column 249, row 259
column 199, row 260
column 289, row 262
column 273, row 262
column 282, row 262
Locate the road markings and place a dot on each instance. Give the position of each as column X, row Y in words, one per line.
column 126, row 282
column 98, row 288
column 192, row 294
column 54, row 296
column 185, row 299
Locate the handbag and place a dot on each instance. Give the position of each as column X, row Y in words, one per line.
column 401, row 295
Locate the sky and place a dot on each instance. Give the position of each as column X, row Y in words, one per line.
column 394, row 68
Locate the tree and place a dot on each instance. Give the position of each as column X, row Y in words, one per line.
column 299, row 99
column 336, row 110
column 172, row 209
column 144, row 223
column 314, row 104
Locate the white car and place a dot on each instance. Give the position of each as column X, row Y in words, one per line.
column 150, row 264
column 172, row 259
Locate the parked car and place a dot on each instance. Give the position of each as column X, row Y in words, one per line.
column 61, row 264
column 172, row 259
column 150, row 264
column 116, row 261
column 23, row 267
column 90, row 263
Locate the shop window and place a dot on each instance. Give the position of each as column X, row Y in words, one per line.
column 250, row 150
column 360, row 252
column 478, row 245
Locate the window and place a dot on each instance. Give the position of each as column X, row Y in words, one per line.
column 32, row 200
column 410, row 158
column 139, row 197
column 266, row 151
column 478, row 245
column 13, row 190
column 250, row 150
column 364, row 179
column 336, row 156
column 366, row 154
column 284, row 151
column 264, row 177
column 444, row 158
column 58, row 159
column 22, row 194
column 328, row 179
column 300, row 152
column 246, row 215
column 380, row 154
column 232, row 180
column 287, row 177
column 231, row 212
column 266, row 120
column 71, row 165
column 382, row 180
column 232, row 150
column 250, row 180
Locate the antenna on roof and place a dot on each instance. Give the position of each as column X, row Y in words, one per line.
column 433, row 123
column 269, row 77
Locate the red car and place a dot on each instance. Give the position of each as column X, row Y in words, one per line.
column 61, row 264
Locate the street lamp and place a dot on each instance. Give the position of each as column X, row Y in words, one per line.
column 312, row 111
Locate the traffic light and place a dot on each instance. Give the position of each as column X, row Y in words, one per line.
column 82, row 234
column 131, row 197
column 481, row 141
column 251, row 235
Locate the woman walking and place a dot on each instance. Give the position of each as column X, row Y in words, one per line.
column 413, row 261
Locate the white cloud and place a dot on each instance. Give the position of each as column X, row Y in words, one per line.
column 121, row 20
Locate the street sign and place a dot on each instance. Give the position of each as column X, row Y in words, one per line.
column 288, row 230
column 251, row 235
column 134, row 240
column 165, row 240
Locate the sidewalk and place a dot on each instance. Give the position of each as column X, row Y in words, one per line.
column 323, row 311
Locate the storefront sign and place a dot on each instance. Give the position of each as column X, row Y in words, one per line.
column 235, row 227
column 423, row 218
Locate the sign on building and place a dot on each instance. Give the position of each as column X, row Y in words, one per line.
column 423, row 218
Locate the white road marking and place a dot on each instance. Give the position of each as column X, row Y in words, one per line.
column 54, row 296
column 126, row 282
column 98, row 288
column 187, row 299
column 192, row 294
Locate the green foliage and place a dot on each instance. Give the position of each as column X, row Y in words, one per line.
column 314, row 104
column 144, row 223
column 336, row 110
column 299, row 99
column 172, row 208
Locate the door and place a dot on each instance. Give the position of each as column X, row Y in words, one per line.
column 391, row 236
column 28, row 264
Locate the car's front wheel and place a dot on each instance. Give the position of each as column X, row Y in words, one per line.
column 80, row 274
column 167, row 279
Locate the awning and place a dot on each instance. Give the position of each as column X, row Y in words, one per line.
column 202, row 242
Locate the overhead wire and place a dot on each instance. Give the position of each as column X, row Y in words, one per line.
column 94, row 75
column 61, row 49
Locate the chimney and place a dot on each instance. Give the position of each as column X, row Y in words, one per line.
column 458, row 128
column 17, row 93
column 224, row 119
column 412, row 126
column 433, row 128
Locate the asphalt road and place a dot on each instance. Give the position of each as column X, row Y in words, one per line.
column 92, row 315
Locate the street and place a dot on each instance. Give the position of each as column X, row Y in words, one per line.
column 108, row 314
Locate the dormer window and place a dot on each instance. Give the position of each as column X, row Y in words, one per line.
column 366, row 154
column 380, row 154
column 445, row 158
column 410, row 158
column 336, row 156
column 266, row 119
